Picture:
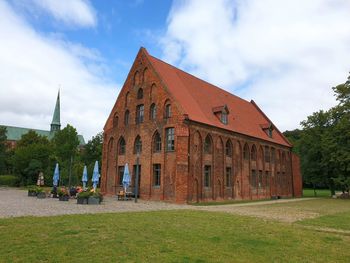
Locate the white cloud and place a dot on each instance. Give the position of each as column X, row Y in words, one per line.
column 32, row 66
column 286, row 55
column 71, row 12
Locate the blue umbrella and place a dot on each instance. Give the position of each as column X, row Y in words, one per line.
column 84, row 179
column 126, row 177
column 56, row 175
column 95, row 176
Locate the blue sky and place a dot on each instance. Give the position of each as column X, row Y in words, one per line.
column 285, row 55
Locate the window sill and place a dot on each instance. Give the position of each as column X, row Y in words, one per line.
column 156, row 187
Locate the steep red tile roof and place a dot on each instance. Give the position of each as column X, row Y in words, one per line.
column 198, row 98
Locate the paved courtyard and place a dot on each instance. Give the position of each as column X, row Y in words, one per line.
column 15, row 203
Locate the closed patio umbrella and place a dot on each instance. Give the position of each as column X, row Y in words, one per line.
column 126, row 178
column 84, row 179
column 95, row 176
column 56, row 176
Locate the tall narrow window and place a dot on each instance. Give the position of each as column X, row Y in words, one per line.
column 207, row 175
column 267, row 175
column 273, row 155
column 170, row 139
column 121, row 146
column 126, row 118
column 156, row 174
column 260, row 183
column 228, row 177
column 157, row 143
column 246, row 152
column 167, row 111
column 140, row 93
column 253, row 153
column 153, row 112
column 120, row 174
column 139, row 113
column 228, row 148
column 138, row 145
column 253, row 179
column 207, row 145
column 267, row 154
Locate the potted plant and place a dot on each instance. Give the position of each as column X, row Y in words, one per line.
column 82, row 197
column 63, row 194
column 40, row 193
column 32, row 190
column 95, row 197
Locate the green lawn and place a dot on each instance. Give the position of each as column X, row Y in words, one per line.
column 165, row 236
column 339, row 221
column 319, row 192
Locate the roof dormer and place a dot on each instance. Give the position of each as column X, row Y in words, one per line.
column 221, row 112
column 267, row 128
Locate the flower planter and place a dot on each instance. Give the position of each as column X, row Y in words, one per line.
column 31, row 193
column 93, row 200
column 63, row 198
column 82, row 201
column 41, row 195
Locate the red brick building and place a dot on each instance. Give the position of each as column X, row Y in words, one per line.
column 195, row 141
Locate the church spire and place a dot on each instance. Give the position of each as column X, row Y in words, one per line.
column 56, row 120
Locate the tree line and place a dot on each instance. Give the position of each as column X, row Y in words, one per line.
column 35, row 153
column 323, row 144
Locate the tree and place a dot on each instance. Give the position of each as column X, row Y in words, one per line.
column 3, row 139
column 93, row 150
column 65, row 144
column 31, row 156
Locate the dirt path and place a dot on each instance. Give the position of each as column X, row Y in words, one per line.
column 266, row 210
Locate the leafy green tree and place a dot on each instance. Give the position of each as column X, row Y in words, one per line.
column 2, row 149
column 93, row 151
column 65, row 145
column 31, row 156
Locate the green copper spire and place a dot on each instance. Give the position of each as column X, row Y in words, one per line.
column 56, row 120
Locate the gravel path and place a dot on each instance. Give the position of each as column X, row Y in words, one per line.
column 14, row 203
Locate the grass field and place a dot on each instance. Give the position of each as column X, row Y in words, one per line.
column 177, row 236
column 307, row 192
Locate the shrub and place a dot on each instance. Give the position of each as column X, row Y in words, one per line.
column 9, row 180
column 84, row 194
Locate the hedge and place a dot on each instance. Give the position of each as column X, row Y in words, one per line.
column 9, row 180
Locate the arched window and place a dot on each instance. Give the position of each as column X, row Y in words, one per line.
column 208, row 145
column 138, row 145
column 126, row 118
column 153, row 112
column 253, row 153
column 115, row 121
column 140, row 93
column 167, row 110
column 139, row 113
column 246, row 152
column 121, row 146
column 228, row 148
column 157, row 142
